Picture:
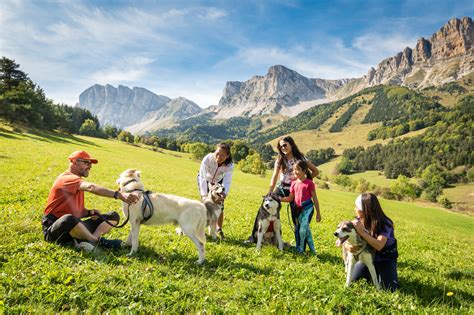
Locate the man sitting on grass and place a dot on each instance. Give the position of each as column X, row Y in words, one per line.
column 62, row 222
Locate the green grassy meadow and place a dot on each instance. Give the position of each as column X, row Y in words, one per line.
column 435, row 246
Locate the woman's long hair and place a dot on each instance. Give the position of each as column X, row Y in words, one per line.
column 304, row 166
column 282, row 160
column 374, row 217
column 224, row 146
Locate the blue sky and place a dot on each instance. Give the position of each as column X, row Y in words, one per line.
column 191, row 48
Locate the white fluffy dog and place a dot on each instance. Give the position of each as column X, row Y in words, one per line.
column 162, row 209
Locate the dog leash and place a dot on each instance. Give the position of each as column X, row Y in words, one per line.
column 287, row 208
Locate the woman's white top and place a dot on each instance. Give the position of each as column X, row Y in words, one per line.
column 287, row 175
column 211, row 173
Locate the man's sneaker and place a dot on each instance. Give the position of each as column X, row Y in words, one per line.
column 220, row 233
column 112, row 244
column 250, row 240
column 85, row 246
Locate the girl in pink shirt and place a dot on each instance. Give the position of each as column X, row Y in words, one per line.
column 303, row 193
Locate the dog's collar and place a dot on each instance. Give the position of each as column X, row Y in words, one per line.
column 133, row 190
column 130, row 181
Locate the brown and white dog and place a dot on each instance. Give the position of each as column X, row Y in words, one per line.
column 269, row 216
column 214, row 203
column 189, row 214
column 347, row 233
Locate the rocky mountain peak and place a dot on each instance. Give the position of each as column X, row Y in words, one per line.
column 455, row 38
column 279, row 88
column 447, row 55
column 123, row 106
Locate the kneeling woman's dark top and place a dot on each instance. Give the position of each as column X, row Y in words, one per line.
column 385, row 260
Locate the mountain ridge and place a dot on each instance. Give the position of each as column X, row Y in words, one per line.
column 444, row 57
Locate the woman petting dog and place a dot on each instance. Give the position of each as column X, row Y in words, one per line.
column 377, row 229
column 303, row 193
column 215, row 168
column 288, row 155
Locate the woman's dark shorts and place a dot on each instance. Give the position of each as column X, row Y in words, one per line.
column 57, row 230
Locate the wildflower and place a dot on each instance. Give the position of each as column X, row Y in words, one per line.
column 450, row 293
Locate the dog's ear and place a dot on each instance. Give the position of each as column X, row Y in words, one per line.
column 137, row 172
column 129, row 172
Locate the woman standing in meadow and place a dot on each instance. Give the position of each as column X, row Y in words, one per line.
column 378, row 230
column 216, row 167
column 303, row 193
column 288, row 155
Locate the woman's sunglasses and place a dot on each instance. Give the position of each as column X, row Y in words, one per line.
column 284, row 145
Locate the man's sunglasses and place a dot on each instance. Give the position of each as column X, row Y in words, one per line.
column 86, row 162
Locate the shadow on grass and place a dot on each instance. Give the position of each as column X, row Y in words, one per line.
column 46, row 136
column 329, row 258
column 50, row 136
column 458, row 275
column 429, row 294
column 211, row 264
column 7, row 134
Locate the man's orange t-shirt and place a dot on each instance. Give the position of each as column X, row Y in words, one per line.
column 65, row 197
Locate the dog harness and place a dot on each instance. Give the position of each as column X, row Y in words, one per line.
column 145, row 204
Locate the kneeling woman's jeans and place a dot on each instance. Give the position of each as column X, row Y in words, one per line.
column 386, row 273
column 302, row 231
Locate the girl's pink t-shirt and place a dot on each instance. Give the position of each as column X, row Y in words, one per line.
column 302, row 190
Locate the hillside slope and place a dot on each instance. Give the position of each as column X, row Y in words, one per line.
column 434, row 246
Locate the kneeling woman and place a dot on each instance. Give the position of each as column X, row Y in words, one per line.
column 377, row 229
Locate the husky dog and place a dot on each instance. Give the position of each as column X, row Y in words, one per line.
column 214, row 203
column 347, row 233
column 159, row 209
column 269, row 216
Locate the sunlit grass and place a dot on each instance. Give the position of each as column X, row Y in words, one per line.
column 435, row 246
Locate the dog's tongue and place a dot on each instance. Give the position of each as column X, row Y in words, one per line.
column 343, row 239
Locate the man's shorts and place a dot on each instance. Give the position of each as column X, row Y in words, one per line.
column 57, row 230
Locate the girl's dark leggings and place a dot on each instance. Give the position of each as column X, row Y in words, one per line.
column 386, row 273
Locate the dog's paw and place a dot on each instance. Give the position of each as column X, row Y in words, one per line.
column 179, row 231
column 132, row 253
column 200, row 262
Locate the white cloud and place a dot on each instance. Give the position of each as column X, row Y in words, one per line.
column 114, row 76
column 211, row 14
column 380, row 46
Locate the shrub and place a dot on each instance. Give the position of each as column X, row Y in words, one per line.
column 252, row 164
column 444, row 201
column 198, row 150
column 324, row 185
column 403, row 187
column 388, row 194
column 343, row 180
column 362, row 185
column 345, row 166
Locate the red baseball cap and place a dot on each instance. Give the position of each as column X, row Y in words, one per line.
column 81, row 155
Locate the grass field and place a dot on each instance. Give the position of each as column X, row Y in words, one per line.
column 435, row 247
